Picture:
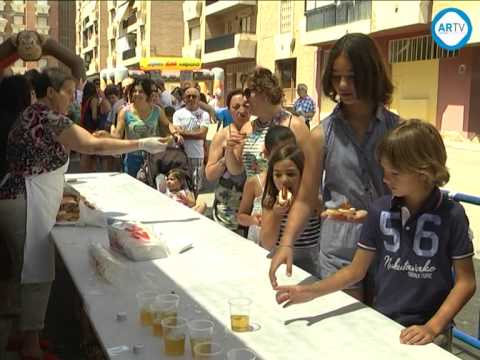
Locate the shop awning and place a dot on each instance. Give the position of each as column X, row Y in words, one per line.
column 170, row 63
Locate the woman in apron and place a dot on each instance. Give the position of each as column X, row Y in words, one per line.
column 344, row 153
column 37, row 152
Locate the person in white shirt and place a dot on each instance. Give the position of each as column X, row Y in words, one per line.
column 191, row 124
column 166, row 99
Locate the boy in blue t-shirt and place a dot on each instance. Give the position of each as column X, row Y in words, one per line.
column 418, row 235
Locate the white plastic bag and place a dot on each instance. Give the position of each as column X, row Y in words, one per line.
column 107, row 265
column 136, row 241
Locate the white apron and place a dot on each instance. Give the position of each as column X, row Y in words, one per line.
column 44, row 195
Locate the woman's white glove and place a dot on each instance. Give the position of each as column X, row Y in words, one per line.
column 152, row 145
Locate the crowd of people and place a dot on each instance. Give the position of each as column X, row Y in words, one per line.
column 276, row 181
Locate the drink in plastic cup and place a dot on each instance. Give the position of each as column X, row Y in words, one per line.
column 208, row 351
column 164, row 306
column 145, row 300
column 240, row 313
column 174, row 332
column 200, row 331
column 241, row 354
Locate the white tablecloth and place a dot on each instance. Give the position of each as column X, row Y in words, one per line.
column 221, row 265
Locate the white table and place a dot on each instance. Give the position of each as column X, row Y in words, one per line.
column 220, row 266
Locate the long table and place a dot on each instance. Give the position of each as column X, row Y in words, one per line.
column 221, row 265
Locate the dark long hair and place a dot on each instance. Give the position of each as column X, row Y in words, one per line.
column 372, row 82
column 15, row 97
column 287, row 152
column 89, row 91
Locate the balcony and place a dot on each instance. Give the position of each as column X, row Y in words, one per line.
column 192, row 10
column 16, row 28
column 93, row 67
column 3, row 24
column 111, row 4
column 111, row 32
column 93, row 41
column 230, row 46
column 128, row 54
column 42, row 8
column 399, row 14
column 223, row 6
column 193, row 50
column 331, row 20
column 18, row 7
column 43, row 29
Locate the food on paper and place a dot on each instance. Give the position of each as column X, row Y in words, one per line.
column 69, row 209
column 345, row 212
column 77, row 211
column 136, row 241
column 284, row 196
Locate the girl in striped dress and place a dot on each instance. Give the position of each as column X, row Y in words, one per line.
column 284, row 175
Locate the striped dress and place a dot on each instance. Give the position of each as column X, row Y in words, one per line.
column 307, row 246
column 253, row 159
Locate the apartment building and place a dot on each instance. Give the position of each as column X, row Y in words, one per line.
column 222, row 34
column 142, row 29
column 39, row 15
column 430, row 83
column 236, row 35
column 91, row 34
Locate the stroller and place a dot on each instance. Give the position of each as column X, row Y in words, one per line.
column 174, row 157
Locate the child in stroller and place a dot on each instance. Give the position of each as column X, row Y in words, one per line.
column 157, row 168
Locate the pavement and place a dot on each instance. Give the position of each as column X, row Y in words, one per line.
column 62, row 325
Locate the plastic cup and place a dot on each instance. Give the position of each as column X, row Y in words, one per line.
column 200, row 331
column 164, row 306
column 145, row 300
column 241, row 354
column 240, row 313
column 207, row 351
column 174, row 333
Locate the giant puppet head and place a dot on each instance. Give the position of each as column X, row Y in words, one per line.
column 28, row 44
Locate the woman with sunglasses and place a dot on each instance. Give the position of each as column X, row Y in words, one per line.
column 265, row 96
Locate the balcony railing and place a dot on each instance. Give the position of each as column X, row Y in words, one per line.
column 130, row 20
column 3, row 24
column 343, row 12
column 42, row 8
column 43, row 29
column 128, row 54
column 18, row 7
column 220, row 43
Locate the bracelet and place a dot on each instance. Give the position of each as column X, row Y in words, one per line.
column 289, row 246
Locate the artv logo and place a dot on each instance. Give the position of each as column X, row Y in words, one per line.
column 451, row 29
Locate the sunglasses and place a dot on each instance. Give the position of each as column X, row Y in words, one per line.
column 191, row 96
column 247, row 92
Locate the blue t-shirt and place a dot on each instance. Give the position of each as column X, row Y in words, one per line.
column 224, row 117
column 415, row 254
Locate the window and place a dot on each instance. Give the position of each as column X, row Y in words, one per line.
column 246, row 24
column 42, row 63
column 18, row 20
column 416, row 49
column 287, row 73
column 112, row 45
column 194, row 33
column 42, row 21
column 286, row 7
column 112, row 16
